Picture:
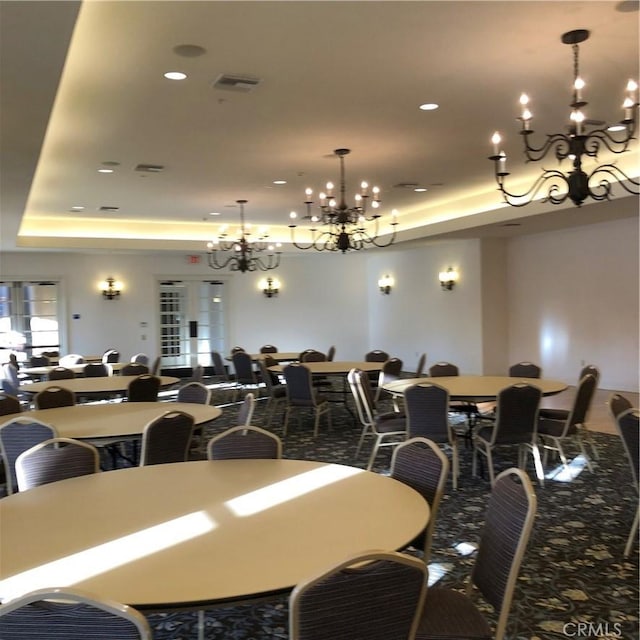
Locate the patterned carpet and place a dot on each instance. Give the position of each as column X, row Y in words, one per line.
column 574, row 581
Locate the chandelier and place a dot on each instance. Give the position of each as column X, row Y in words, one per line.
column 338, row 227
column 245, row 254
column 577, row 143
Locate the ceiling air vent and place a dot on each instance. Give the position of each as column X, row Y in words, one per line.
column 150, row 168
column 230, row 82
column 109, row 209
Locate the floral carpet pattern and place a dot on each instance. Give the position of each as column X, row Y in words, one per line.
column 574, row 581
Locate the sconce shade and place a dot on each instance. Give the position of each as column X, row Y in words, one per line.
column 448, row 279
column 270, row 287
column 386, row 284
column 111, row 288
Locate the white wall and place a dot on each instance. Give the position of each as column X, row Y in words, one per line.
column 573, row 299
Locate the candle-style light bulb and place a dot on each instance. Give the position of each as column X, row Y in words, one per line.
column 578, row 85
column 293, row 215
column 496, row 140
column 329, row 189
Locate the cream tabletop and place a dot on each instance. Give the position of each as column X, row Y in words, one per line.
column 102, row 384
column 76, row 368
column 113, row 420
column 476, row 388
column 335, row 367
column 198, row 533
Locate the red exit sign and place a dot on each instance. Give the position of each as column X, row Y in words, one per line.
column 193, row 259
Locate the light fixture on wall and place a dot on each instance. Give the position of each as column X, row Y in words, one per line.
column 577, row 143
column 339, row 227
column 270, row 287
column 244, row 252
column 386, row 284
column 111, row 288
column 448, row 278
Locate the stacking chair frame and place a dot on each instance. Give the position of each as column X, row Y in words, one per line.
column 302, row 395
column 628, row 423
column 221, row 446
column 158, row 424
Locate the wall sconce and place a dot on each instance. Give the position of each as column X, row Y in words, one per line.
column 111, row 288
column 270, row 287
column 448, row 279
column 386, row 283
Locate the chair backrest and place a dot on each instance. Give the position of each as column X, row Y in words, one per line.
column 590, row 369
column 299, row 385
column 61, row 373
column 422, row 361
column 97, row 370
column 362, row 396
column 268, row 348
column 375, row 595
column 194, row 392
column 39, row 361
column 391, row 370
column 427, row 410
column 421, row 464
column 628, row 423
column 111, row 355
column 70, row 614
column 140, row 358
column 236, row 350
column 134, row 369
column 525, row 370
column 516, row 414
column 376, row 356
column 244, row 441
column 18, row 435
column 243, row 367
column 618, row 404
column 312, row 355
column 331, row 353
column 507, row 527
column 441, row 369
column 167, row 439
column 144, row 388
column 154, row 370
column 55, row 459
column 269, row 378
column 53, row 397
column 197, row 373
column 582, row 402
column 70, row 359
column 9, row 404
column 245, row 413
column 219, row 368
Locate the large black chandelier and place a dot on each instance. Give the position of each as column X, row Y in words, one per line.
column 577, row 143
column 246, row 255
column 339, row 227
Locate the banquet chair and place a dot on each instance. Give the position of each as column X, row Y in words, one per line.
column 276, row 392
column 510, row 513
column 618, row 404
column 17, row 435
column 134, row 369
column 61, row 373
column 167, row 439
column 554, row 429
column 244, row 442
column 245, row 412
column 53, row 397
column 111, row 355
column 39, row 361
column 628, row 423
column 525, row 370
column 194, row 392
column 427, row 410
column 391, row 370
column 331, row 353
column 301, row 396
column 375, row 595
column 388, row 429
column 9, row 404
column 144, row 388
column 515, row 424
column 377, row 355
column 312, row 355
column 55, row 459
column 97, row 370
column 422, row 465
column 197, row 373
column 422, row 361
column 154, row 369
column 237, row 349
column 69, row 614
column 70, row 359
column 245, row 374
column 140, row 358
column 268, row 348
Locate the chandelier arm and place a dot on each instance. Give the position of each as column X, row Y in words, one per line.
column 561, row 141
column 594, row 138
column 514, row 199
column 619, row 176
column 215, row 264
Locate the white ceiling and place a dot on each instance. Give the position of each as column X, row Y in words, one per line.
column 332, row 74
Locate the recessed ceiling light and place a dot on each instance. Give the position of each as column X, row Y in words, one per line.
column 175, row 75
column 77, row 208
column 214, row 213
column 420, row 189
column 429, row 106
column 105, row 170
column 279, row 182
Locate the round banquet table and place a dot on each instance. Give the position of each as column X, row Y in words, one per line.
column 78, row 369
column 87, row 386
column 114, row 420
column 281, row 356
column 334, row 367
column 191, row 534
column 476, row 388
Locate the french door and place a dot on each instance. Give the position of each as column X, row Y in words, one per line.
column 192, row 321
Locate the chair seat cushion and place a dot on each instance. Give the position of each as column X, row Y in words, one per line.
column 451, row 615
column 554, row 414
column 553, row 428
column 387, row 426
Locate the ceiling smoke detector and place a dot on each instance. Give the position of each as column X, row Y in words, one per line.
column 230, row 82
